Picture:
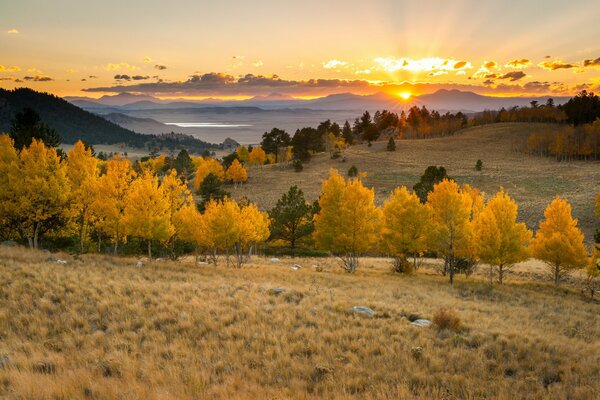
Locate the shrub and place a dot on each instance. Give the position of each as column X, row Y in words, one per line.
column 298, row 165
column 478, row 165
column 445, row 318
column 353, row 172
column 402, row 265
column 391, row 146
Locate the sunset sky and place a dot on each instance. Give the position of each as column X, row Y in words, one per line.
column 239, row 49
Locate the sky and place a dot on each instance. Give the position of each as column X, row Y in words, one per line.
column 303, row 49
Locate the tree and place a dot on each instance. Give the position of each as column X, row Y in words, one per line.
column 348, row 221
column 558, row 241
column 82, row 171
column 147, row 213
column 478, row 165
column 583, row 108
column 243, row 154
column 211, row 189
column 10, row 169
column 431, row 176
column 274, row 140
column 353, row 172
column 27, row 125
column 257, row 156
column 207, row 166
column 292, row 217
column 183, row 164
column 391, row 146
column 347, row 133
column 404, row 229
column 236, row 173
column 110, row 203
column 178, row 195
column 501, row 240
column 42, row 190
column 254, row 228
column 450, row 213
column 190, row 227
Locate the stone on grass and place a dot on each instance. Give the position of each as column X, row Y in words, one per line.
column 61, row 262
column 139, row 264
column 421, row 323
column 363, row 310
column 274, row 260
column 5, row 362
column 276, row 291
column 296, row 267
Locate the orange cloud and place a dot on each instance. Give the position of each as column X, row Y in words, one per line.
column 118, row 66
column 518, row 63
column 9, row 69
column 554, row 65
column 592, row 63
column 12, row 31
column 513, row 75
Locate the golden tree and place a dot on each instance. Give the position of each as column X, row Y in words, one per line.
column 178, row 195
column 190, row 227
column 207, row 166
column 42, row 191
column 450, row 233
column 236, row 173
column 9, row 178
column 242, row 153
column 404, row 227
column 257, row 156
column 598, row 203
column 348, row 223
column 501, row 240
column 147, row 211
column 82, row 171
column 558, row 241
column 109, row 206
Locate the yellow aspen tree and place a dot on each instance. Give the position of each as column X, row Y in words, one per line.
column 10, row 170
column 404, row 227
column 253, row 229
column 109, row 206
column 501, row 240
column 190, row 227
column 558, row 241
column 593, row 272
column 289, row 154
column 147, row 211
column 236, row 173
column 257, row 156
column 42, row 191
column 598, row 205
column 82, row 171
column 242, row 152
column 450, row 213
column 208, row 166
column 222, row 221
column 348, row 223
column 467, row 255
column 178, row 195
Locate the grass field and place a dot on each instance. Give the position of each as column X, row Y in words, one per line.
column 532, row 181
column 102, row 328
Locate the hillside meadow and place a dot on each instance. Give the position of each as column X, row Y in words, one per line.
column 100, row 327
column 531, row 180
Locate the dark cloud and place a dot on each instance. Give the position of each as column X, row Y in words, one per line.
column 7, row 78
column 490, row 64
column 491, row 76
column 513, row 75
column 160, row 67
column 518, row 63
column 488, row 82
column 592, row 63
column 92, row 77
column 37, row 78
column 554, row 65
column 18, row 80
column 124, row 77
column 83, row 80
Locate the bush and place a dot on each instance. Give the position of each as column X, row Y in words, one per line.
column 478, row 165
column 353, row 172
column 445, row 318
column 391, row 146
column 298, row 167
column 402, row 265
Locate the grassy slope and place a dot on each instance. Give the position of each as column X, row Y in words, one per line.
column 105, row 329
column 533, row 181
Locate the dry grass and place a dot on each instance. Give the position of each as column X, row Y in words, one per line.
column 101, row 328
column 532, row 181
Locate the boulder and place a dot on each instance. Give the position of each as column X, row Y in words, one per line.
column 363, row 311
column 61, row 262
column 139, row 264
column 274, row 260
column 276, row 291
column 421, row 323
column 296, row 267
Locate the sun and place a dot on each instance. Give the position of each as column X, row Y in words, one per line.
column 405, row 95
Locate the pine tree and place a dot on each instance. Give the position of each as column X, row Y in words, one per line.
column 558, row 241
column 292, row 217
column 207, row 166
column 391, row 146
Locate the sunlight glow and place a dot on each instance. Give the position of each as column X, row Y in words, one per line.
column 405, row 95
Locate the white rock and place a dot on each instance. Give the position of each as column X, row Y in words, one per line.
column 139, row 264
column 274, row 260
column 296, row 267
column 421, row 323
column 363, row 310
column 62, row 262
column 202, row 263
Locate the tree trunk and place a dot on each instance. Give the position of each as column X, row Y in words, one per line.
column 557, row 273
column 35, row 236
column 415, row 261
column 116, row 249
column 500, row 273
column 149, row 250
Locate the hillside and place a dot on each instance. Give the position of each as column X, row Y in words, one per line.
column 99, row 327
column 531, row 180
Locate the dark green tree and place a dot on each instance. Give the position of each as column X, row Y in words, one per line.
column 292, row 217
column 583, row 108
column 347, row 133
column 183, row 164
column 478, row 165
column 431, row 176
column 275, row 140
column 211, row 188
column 228, row 159
column 27, row 125
column 353, row 171
column 391, row 146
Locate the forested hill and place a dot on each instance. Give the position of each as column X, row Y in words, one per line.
column 73, row 123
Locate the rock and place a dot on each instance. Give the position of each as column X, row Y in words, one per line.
column 416, row 352
column 5, row 362
column 202, row 263
column 296, row 267
column 61, row 262
column 274, row 260
column 363, row 310
column 276, row 291
column 9, row 243
column 139, row 264
column 421, row 323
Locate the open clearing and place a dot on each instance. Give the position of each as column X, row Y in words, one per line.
column 102, row 328
column 532, row 181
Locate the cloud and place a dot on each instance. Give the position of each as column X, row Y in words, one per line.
column 160, row 67
column 6, row 78
column 490, row 64
column 147, row 59
column 130, row 78
column 259, row 63
column 120, row 66
column 14, row 68
column 518, row 63
column 83, row 80
column 334, row 64
column 488, row 82
column 18, row 80
column 513, row 75
column 71, row 71
column 460, row 65
column 393, row 64
column 554, row 65
column 38, row 78
column 592, row 63
column 92, row 77
column 12, row 31
column 238, row 57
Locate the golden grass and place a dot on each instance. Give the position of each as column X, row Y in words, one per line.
column 101, row 328
column 533, row 181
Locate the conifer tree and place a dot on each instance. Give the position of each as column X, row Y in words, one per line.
column 207, row 166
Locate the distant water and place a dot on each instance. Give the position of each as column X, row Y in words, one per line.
column 207, row 125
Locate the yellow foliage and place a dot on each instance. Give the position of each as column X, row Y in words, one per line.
column 208, row 166
column 9, row 170
column 257, row 156
column 236, row 172
column 242, row 152
column 598, row 205
column 190, row 226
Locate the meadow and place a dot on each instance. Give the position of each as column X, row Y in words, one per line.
column 100, row 327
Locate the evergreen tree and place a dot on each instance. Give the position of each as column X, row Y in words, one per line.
column 391, row 146
column 292, row 217
column 431, row 176
column 27, row 125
